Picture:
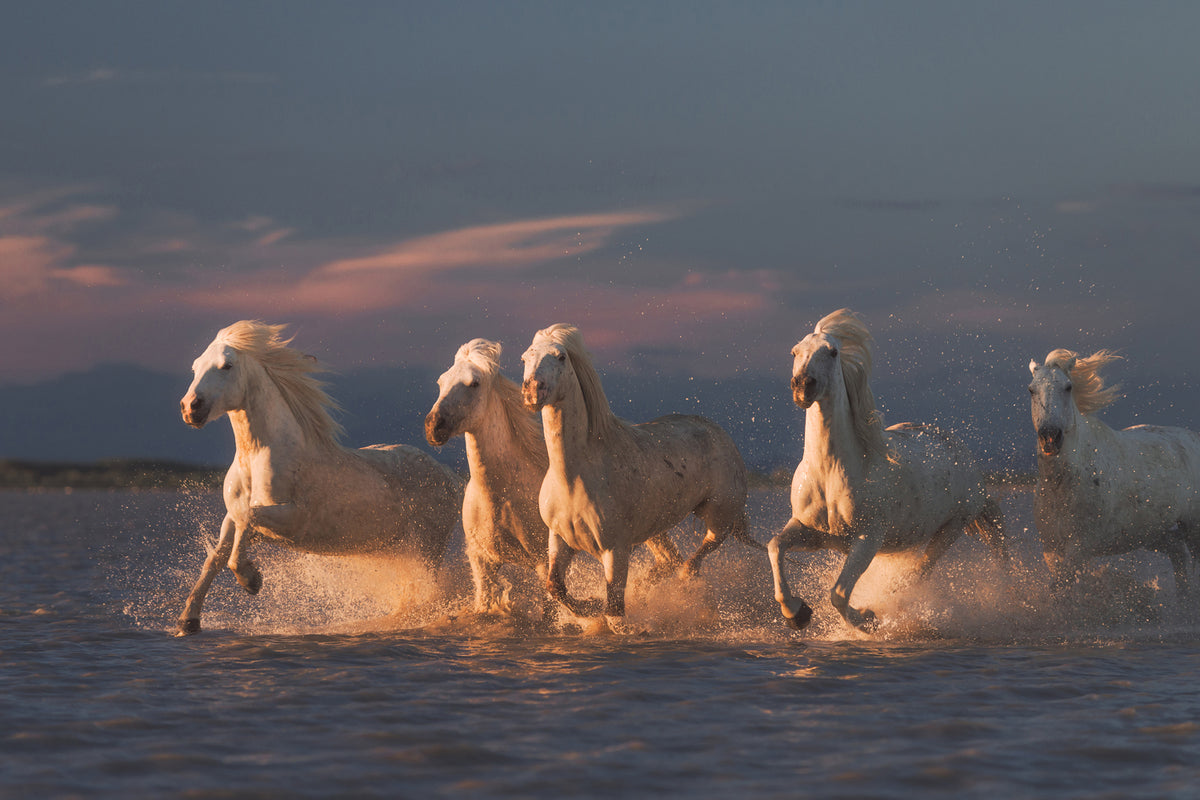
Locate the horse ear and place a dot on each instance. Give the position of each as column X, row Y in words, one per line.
column 1033, row 365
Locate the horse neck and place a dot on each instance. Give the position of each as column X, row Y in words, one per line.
column 265, row 422
column 1082, row 442
column 829, row 435
column 565, row 426
column 494, row 448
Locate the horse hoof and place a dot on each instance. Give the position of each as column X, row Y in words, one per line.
column 186, row 627
column 799, row 620
column 869, row 623
column 618, row 625
column 253, row 584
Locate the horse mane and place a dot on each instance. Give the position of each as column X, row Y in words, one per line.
column 601, row 419
column 1087, row 387
column 855, row 353
column 526, row 428
column 291, row 372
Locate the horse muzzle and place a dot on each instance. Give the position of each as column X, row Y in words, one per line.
column 1049, row 441
column 803, row 390
column 437, row 430
column 194, row 411
column 534, row 393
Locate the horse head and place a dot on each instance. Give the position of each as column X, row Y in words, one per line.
column 814, row 366
column 547, row 369
column 218, row 384
column 1053, row 406
column 462, row 392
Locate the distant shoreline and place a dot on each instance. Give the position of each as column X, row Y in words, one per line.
column 113, row 473
column 141, row 473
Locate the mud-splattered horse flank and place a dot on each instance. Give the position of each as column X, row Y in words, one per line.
column 611, row 484
column 506, row 453
column 291, row 482
column 862, row 489
column 1103, row 492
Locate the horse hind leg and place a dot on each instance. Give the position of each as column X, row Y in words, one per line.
column 989, row 526
column 719, row 526
column 245, row 570
column 666, row 556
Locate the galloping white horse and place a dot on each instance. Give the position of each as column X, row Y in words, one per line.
column 611, row 484
column 1102, row 492
column 291, row 481
column 861, row 489
column 507, row 456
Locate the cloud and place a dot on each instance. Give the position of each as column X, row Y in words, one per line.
column 399, row 275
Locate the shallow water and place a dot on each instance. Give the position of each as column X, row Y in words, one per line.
column 977, row 685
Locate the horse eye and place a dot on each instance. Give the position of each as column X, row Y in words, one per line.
column 1068, row 387
column 474, row 384
column 833, row 352
column 562, row 356
column 227, row 366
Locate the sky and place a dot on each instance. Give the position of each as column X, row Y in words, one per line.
column 693, row 184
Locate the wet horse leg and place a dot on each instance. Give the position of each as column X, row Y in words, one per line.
column 666, row 555
column 244, row 569
column 862, row 553
column 795, row 535
column 489, row 589
column 560, row 556
column 938, row 545
column 616, row 575
column 1177, row 551
column 720, row 523
column 189, row 618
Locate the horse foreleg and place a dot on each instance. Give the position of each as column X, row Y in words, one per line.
column 797, row 612
column 189, row 618
column 560, row 556
column 862, row 553
column 489, row 589
column 244, row 569
column 616, row 575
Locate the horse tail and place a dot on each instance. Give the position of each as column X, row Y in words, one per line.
column 989, row 526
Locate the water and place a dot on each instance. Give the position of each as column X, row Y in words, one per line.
column 977, row 685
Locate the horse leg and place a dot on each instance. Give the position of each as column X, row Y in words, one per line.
column 189, row 618
column 990, row 527
column 720, row 524
column 666, row 556
column 1064, row 570
column 244, row 569
column 489, row 589
column 560, row 557
column 862, row 553
column 795, row 534
column 1178, row 553
column 938, row 545
column 616, row 575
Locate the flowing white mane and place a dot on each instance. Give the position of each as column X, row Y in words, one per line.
column 291, row 372
column 1087, row 387
column 600, row 416
column 526, row 428
column 855, row 354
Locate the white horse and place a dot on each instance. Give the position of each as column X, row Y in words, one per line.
column 506, row 453
column 291, row 481
column 1103, row 492
column 861, row 489
column 611, row 484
